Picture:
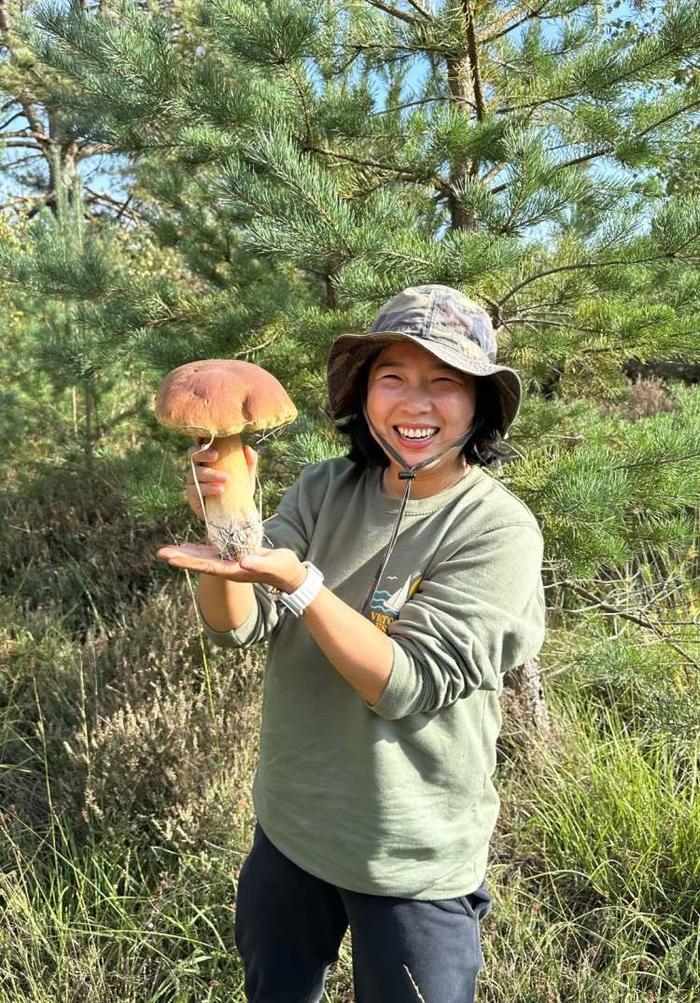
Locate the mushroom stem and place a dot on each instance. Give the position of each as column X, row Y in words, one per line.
column 235, row 528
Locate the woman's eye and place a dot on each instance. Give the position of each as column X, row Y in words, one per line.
column 438, row 379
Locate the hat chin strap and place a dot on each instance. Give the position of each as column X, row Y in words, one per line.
column 408, row 473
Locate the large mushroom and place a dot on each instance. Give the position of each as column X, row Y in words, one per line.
column 222, row 398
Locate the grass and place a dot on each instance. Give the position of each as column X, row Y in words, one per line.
column 128, row 750
column 120, row 862
column 610, row 832
column 601, row 902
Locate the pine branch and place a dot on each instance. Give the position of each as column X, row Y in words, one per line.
column 17, row 114
column 411, row 50
column 623, row 77
column 25, row 134
column 421, row 10
column 94, row 149
column 110, row 425
column 442, row 98
column 243, row 353
column 394, row 11
column 532, row 15
column 609, row 150
column 667, row 118
column 304, row 108
column 20, row 161
column 389, row 168
column 24, row 144
column 514, row 25
column 638, row 618
column 575, row 266
column 122, row 207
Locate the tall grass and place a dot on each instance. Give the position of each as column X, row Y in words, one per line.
column 598, row 901
column 127, row 753
column 123, row 821
column 609, row 835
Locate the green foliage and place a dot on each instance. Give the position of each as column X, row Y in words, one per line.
column 142, row 78
column 291, row 166
column 286, row 33
column 311, row 441
column 647, row 684
column 604, row 859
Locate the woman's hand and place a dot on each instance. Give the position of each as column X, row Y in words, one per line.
column 280, row 567
column 211, row 481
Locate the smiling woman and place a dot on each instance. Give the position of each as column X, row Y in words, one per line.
column 373, row 793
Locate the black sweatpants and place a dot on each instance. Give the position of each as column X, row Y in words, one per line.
column 289, row 926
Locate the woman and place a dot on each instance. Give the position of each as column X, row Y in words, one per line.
column 387, row 648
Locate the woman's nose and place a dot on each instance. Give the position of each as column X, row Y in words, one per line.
column 417, row 397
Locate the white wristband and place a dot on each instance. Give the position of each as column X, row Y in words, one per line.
column 298, row 600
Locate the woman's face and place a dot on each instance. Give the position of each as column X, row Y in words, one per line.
column 409, row 391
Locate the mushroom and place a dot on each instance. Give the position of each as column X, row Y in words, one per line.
column 219, row 399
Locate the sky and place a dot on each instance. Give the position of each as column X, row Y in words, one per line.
column 105, row 173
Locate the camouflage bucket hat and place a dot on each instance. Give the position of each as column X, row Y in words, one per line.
column 440, row 320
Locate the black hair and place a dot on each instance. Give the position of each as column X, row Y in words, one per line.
column 485, row 447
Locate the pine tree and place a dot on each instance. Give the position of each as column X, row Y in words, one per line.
column 309, row 159
column 72, row 281
column 40, row 141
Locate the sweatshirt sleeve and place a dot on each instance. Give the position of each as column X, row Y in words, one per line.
column 480, row 613
column 290, row 527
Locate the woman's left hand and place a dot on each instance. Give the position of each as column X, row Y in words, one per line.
column 280, row 567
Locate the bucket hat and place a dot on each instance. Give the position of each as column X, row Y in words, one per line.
column 439, row 319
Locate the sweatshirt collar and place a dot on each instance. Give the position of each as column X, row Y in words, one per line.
column 417, row 506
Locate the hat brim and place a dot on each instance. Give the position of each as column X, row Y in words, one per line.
column 349, row 352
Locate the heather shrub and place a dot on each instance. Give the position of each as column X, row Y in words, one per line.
column 68, row 541
column 129, row 725
column 164, row 754
column 646, row 395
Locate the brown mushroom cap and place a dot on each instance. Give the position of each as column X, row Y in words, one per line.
column 222, row 397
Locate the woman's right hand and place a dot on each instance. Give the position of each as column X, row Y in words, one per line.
column 211, row 481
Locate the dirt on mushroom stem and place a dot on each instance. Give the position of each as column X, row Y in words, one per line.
column 233, row 522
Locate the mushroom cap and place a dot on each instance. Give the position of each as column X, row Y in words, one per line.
column 222, row 397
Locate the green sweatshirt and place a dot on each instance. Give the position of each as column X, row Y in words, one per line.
column 396, row 798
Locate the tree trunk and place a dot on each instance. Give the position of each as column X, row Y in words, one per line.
column 329, row 288
column 523, row 705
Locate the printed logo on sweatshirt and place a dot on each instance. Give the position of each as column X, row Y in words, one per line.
column 386, row 604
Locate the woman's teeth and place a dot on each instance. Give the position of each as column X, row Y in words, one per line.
column 413, row 434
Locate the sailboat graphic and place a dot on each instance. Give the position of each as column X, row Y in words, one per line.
column 398, row 598
column 385, row 607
